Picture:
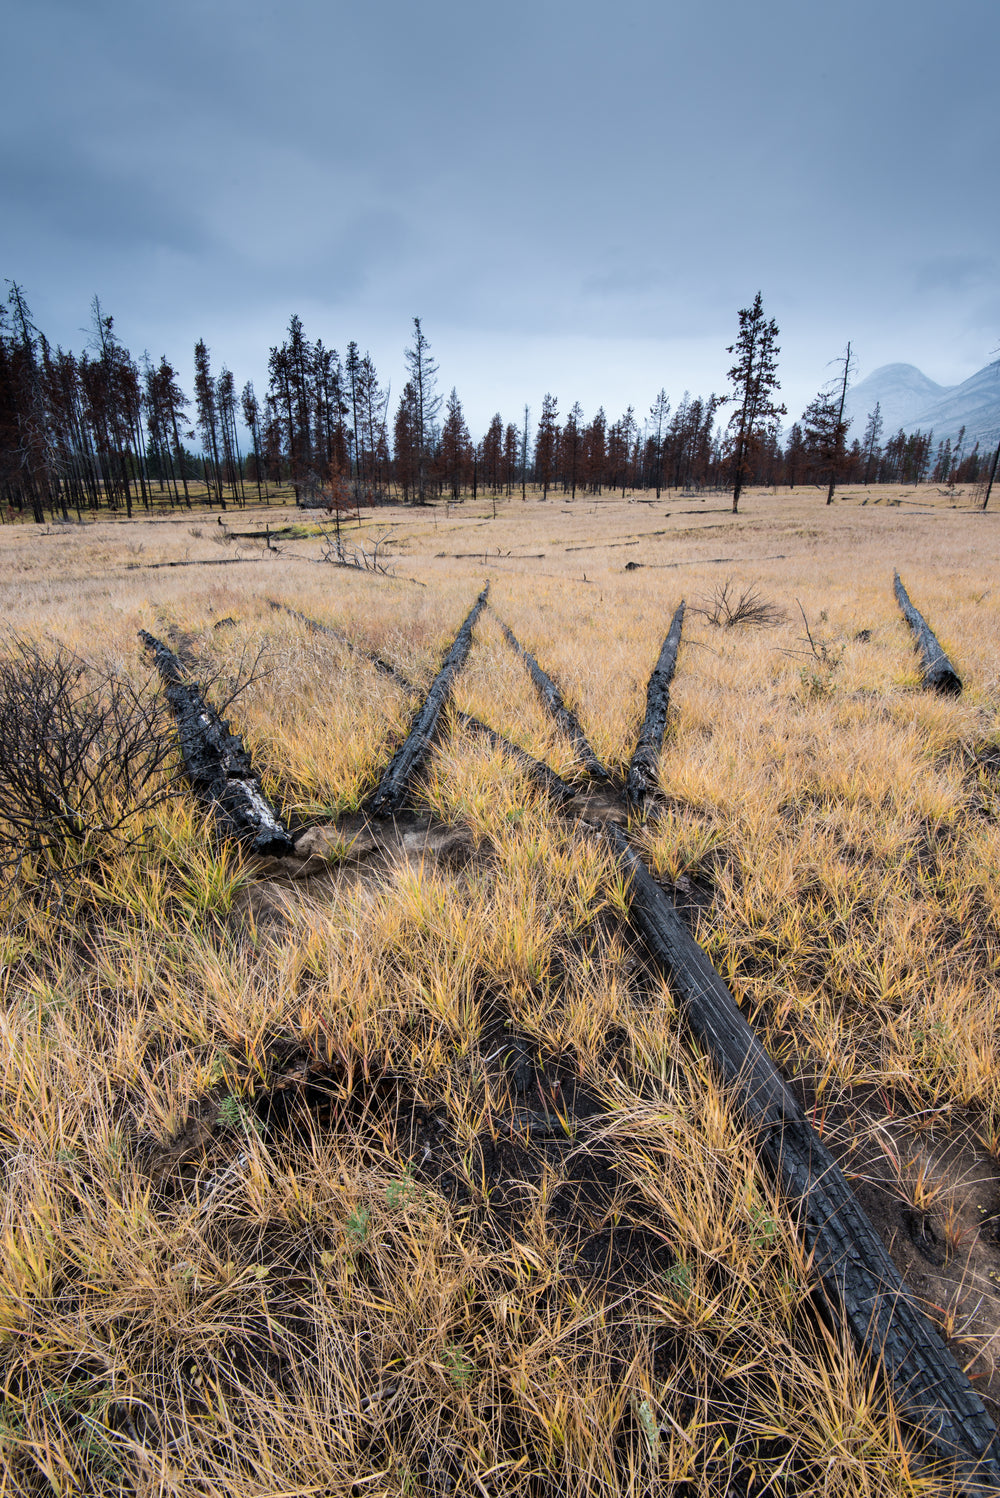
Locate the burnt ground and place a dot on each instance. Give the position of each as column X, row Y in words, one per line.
column 610, row 1244
column 931, row 1191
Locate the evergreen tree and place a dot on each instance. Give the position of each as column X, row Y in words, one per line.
column 510, row 446
column 456, row 445
column 251, row 417
column 546, row 443
column 754, row 379
column 795, row 456
column 870, row 441
column 208, row 413
column 824, row 429
column 423, row 379
column 405, row 444
column 570, row 449
column 827, row 430
column 595, row 452
column 658, row 413
column 492, row 455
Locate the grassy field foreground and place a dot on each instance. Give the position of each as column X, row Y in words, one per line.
column 391, row 1170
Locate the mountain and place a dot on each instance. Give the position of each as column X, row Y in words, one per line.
column 902, row 390
column 975, row 404
column 911, row 401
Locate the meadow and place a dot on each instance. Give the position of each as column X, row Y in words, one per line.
column 391, row 1168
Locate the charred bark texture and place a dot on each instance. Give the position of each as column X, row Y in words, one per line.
column 849, row 1258
column 643, row 777
column 216, row 762
column 535, row 769
column 388, row 794
column 938, row 671
column 556, row 707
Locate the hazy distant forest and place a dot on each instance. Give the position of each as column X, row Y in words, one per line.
column 103, row 431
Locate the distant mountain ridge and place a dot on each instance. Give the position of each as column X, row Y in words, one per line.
column 912, row 401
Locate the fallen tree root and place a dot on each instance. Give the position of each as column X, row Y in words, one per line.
column 216, row 762
column 642, row 778
column 938, row 671
column 535, row 769
column 556, row 707
column 858, row 1277
column 388, row 794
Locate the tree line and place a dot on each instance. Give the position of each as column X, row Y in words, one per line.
column 101, row 430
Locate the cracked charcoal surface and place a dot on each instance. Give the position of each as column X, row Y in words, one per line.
column 217, row 763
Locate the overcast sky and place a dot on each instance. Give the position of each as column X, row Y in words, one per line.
column 574, row 197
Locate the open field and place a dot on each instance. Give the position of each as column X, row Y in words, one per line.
column 391, row 1168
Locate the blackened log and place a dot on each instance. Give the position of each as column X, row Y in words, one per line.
column 643, row 777
column 388, row 794
column 203, row 562
column 217, row 764
column 938, row 671
column 535, row 769
column 556, row 707
column 382, row 667
column 857, row 1275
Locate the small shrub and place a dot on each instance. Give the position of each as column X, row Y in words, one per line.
column 233, row 1113
column 356, row 1227
column 726, row 608
column 458, row 1366
column 82, row 756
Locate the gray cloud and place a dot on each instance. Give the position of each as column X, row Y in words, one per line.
column 551, row 173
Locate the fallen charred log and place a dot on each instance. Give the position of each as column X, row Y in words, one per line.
column 778, row 556
column 642, row 777
column 388, row 794
column 556, row 707
column 382, row 667
column 938, row 671
column 217, row 764
column 535, row 769
column 858, row 1277
column 197, row 562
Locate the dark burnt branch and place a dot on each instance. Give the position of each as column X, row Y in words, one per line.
column 556, row 707
column 856, row 1273
column 535, row 769
column 216, row 762
column 388, row 794
column 642, row 778
column 381, row 666
column 938, row 671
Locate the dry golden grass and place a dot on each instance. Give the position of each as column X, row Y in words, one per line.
column 404, row 1179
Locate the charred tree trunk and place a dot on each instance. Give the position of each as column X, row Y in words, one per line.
column 535, row 769
column 216, row 762
column 855, row 1271
column 388, row 794
column 938, row 671
column 381, row 666
column 643, row 778
column 556, row 707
